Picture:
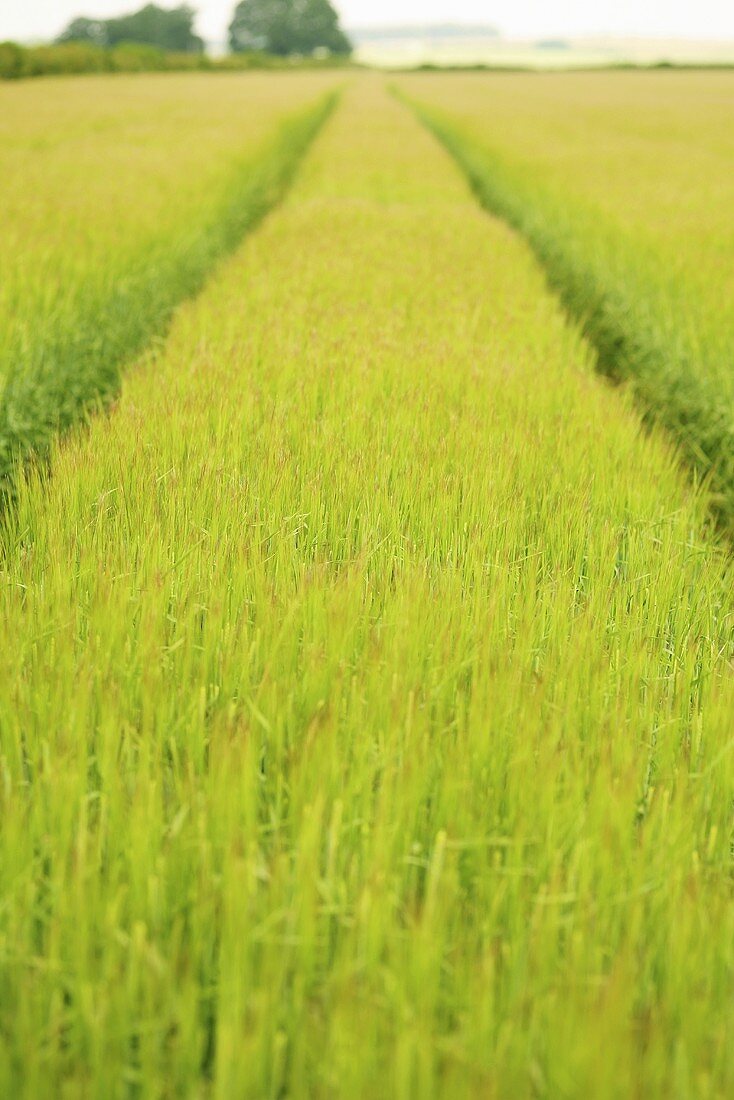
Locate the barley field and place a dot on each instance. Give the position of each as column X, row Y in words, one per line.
column 623, row 185
column 118, row 196
column 366, row 687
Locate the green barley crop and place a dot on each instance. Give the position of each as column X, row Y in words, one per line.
column 622, row 182
column 366, row 688
column 118, row 196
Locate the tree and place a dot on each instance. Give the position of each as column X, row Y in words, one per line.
column 93, row 31
column 287, row 27
column 320, row 29
column 167, row 29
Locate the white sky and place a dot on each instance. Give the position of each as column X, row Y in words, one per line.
column 30, row 19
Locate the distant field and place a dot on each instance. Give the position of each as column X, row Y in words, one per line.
column 367, row 680
column 117, row 196
column 551, row 54
column 624, row 184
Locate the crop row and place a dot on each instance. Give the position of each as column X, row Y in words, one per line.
column 117, row 201
column 622, row 185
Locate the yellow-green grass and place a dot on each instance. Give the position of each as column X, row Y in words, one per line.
column 622, row 183
column 118, row 196
column 366, row 690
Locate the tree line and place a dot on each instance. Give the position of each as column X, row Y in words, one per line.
column 167, row 29
column 283, row 28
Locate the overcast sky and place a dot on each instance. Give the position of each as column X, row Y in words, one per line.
column 29, row 19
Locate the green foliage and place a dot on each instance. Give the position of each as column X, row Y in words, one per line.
column 67, row 59
column 81, row 29
column 76, row 58
column 164, row 28
column 131, row 57
column 168, row 29
column 284, row 27
column 12, row 61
